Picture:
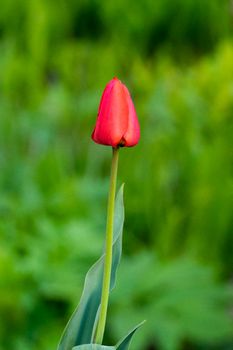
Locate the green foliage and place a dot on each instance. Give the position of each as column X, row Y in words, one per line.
column 180, row 300
column 53, row 179
column 93, row 347
column 191, row 25
column 187, row 133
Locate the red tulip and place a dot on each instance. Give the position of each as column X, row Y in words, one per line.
column 117, row 122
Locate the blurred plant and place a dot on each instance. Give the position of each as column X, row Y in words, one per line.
column 181, row 300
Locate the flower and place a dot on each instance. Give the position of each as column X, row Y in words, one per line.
column 117, row 122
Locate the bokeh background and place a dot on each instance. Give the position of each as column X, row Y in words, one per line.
column 176, row 57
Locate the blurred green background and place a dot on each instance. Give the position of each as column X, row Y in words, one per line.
column 176, row 57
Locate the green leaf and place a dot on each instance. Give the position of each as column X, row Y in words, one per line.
column 94, row 347
column 81, row 326
column 125, row 343
column 121, row 345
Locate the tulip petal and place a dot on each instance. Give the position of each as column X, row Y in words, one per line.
column 132, row 135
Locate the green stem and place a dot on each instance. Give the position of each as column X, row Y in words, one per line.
column 108, row 253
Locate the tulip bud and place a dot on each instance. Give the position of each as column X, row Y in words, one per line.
column 117, row 122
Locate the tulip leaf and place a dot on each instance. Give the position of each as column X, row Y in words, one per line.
column 81, row 326
column 121, row 345
column 94, row 347
column 125, row 342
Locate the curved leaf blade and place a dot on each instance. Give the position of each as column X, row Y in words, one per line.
column 125, row 342
column 94, row 347
column 81, row 326
column 121, row 345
